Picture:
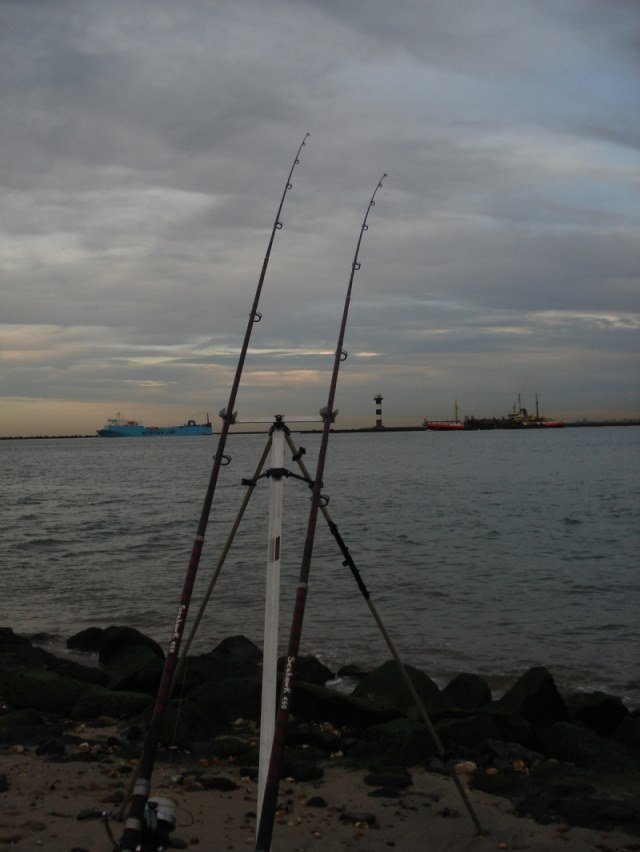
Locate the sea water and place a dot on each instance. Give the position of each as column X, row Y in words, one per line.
column 484, row 552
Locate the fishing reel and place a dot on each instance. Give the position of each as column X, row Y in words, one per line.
column 158, row 823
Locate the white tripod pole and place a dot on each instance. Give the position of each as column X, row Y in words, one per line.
column 272, row 603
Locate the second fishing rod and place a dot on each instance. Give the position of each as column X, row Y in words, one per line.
column 135, row 824
column 269, row 805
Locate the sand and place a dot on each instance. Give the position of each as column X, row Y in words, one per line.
column 40, row 808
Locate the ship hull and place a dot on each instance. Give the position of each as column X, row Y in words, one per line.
column 445, row 427
column 137, row 430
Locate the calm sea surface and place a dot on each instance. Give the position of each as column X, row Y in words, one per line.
column 486, row 552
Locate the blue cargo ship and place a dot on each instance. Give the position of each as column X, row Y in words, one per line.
column 119, row 428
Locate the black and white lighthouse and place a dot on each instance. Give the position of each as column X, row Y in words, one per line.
column 378, row 400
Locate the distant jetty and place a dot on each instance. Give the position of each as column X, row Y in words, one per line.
column 569, row 424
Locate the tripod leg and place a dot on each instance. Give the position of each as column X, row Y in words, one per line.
column 422, row 710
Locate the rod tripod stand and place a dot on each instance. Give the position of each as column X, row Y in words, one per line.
column 278, row 435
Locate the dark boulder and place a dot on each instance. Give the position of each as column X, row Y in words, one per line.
column 216, row 666
column 309, row 669
column 535, row 698
column 45, row 690
column 628, row 731
column 464, row 692
column 17, row 654
column 401, row 742
column 50, row 692
column 597, row 711
column 314, row 703
column 395, row 777
column 580, row 746
column 513, row 728
column 117, row 640
column 89, row 640
column 211, row 707
column 502, row 755
column 25, row 717
column 137, row 668
column 386, row 688
column 239, row 648
column 131, row 660
column 467, row 732
column 352, row 671
column 69, row 668
column 115, row 703
column 302, row 764
column 51, row 745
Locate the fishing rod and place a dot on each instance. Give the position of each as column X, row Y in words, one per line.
column 402, row 669
column 135, row 822
column 267, row 816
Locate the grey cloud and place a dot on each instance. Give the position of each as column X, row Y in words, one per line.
column 145, row 149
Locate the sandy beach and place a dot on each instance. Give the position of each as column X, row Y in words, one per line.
column 46, row 795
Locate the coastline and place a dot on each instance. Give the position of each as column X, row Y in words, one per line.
column 56, row 804
column 360, row 430
column 542, row 772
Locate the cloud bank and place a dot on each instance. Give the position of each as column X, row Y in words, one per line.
column 145, row 146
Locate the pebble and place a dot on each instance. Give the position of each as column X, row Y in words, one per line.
column 465, row 767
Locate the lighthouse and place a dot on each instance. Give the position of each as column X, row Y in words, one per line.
column 378, row 400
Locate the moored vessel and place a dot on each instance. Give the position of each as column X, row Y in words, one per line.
column 517, row 418
column 455, row 425
column 118, row 427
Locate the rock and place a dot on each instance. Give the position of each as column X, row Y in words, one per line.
column 120, row 639
column 535, row 697
column 51, row 746
column 385, row 687
column 385, row 793
column 44, row 690
column 239, row 648
column 232, row 747
column 628, row 731
column 398, row 778
column 502, row 755
column 131, row 660
column 88, row 640
column 301, row 764
column 597, row 711
column 401, row 742
column 50, row 692
column 70, row 668
column 18, row 655
column 318, row 704
column 512, row 727
column 89, row 813
column 210, row 707
column 358, row 817
column 316, row 802
column 10, row 639
column 118, row 704
column 137, row 668
column 467, row 732
column 464, row 692
column 309, row 669
column 4, row 783
column 216, row 782
column 351, row 671
column 18, row 719
column 578, row 745
column 218, row 665
column 577, row 806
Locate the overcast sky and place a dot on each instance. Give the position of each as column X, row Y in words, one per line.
column 145, row 145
